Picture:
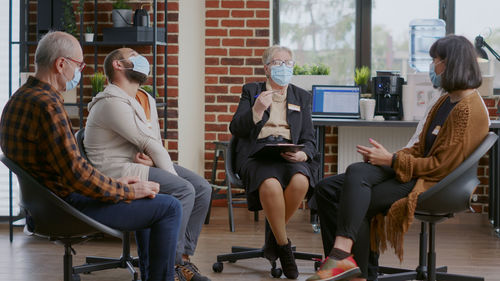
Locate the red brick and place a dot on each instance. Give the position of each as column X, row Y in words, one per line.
column 231, row 80
column 233, row 4
column 217, row 14
column 209, row 98
column 492, row 111
column 224, row 137
column 240, row 52
column 172, row 17
column 172, row 60
column 235, row 89
column 254, row 79
column 241, row 32
column 215, row 52
column 262, row 33
column 216, row 127
column 172, row 27
column 232, row 108
column 253, row 61
column 172, row 6
column 209, row 117
column 224, row 118
column 489, row 102
column 258, row 4
column 212, row 42
column 211, row 80
column 215, row 89
column 242, row 13
column 173, row 39
column 210, row 136
column 240, row 71
column 232, row 23
column 231, row 61
column 215, row 70
column 227, row 98
column 259, row 71
column 215, row 32
column 257, row 42
column 212, row 4
column 211, row 61
column 258, row 23
column 262, row 13
column 211, row 23
column 216, row 108
column 233, row 42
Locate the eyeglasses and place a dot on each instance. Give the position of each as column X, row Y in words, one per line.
column 81, row 65
column 289, row 63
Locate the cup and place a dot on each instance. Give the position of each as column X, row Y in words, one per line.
column 367, row 109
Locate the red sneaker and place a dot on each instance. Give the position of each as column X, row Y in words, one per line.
column 334, row 270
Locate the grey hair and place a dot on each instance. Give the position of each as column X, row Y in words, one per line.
column 53, row 45
column 269, row 52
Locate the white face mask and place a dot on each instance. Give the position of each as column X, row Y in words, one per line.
column 140, row 63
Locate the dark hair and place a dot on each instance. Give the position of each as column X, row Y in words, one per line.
column 461, row 68
column 108, row 63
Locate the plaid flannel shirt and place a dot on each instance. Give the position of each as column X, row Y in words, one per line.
column 35, row 132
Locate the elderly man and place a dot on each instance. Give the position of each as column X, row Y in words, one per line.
column 35, row 133
column 123, row 138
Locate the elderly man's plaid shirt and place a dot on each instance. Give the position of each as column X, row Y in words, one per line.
column 35, row 133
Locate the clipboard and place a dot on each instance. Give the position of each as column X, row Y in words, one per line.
column 273, row 150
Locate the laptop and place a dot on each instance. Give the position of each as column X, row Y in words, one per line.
column 331, row 101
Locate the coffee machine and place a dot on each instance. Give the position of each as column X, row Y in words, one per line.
column 388, row 94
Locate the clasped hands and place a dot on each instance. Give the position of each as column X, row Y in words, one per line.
column 142, row 189
column 375, row 155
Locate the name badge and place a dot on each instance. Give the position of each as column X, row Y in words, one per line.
column 436, row 130
column 293, row 107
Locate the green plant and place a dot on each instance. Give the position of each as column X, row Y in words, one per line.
column 149, row 90
column 68, row 19
column 362, row 75
column 89, row 29
column 97, row 80
column 120, row 4
column 318, row 69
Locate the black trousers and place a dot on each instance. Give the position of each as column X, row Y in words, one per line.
column 347, row 202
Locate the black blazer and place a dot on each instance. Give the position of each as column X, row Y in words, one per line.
column 300, row 122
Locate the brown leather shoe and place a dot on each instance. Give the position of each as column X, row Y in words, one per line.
column 287, row 260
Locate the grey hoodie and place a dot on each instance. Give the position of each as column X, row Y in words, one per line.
column 117, row 128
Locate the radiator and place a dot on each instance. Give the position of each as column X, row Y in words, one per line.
column 392, row 138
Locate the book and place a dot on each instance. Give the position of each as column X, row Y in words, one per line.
column 273, row 150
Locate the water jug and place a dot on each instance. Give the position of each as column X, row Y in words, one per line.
column 423, row 33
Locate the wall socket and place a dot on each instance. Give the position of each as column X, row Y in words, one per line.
column 474, row 198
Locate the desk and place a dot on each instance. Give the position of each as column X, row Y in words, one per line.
column 494, row 159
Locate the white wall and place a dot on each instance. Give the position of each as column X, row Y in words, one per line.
column 191, row 84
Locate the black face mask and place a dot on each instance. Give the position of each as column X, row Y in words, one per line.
column 134, row 76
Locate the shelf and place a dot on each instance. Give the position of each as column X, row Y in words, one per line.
column 158, row 104
column 118, row 43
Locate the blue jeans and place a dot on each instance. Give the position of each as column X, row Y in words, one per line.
column 161, row 215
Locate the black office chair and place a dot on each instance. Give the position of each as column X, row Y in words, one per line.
column 451, row 195
column 240, row 253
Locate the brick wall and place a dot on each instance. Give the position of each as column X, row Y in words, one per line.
column 236, row 34
column 104, row 8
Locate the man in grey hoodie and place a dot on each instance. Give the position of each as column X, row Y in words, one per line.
column 122, row 138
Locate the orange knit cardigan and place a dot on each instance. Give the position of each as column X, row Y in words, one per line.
column 464, row 129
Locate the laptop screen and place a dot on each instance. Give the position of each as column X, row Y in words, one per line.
column 335, row 101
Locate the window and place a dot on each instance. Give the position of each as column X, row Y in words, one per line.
column 320, row 31
column 390, row 31
column 480, row 17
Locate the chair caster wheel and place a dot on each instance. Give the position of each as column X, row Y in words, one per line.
column 218, row 267
column 276, row 272
column 316, row 228
column 75, row 277
column 317, row 265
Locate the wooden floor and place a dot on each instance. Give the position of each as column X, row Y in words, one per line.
column 466, row 244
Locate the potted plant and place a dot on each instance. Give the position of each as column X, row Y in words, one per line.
column 97, row 80
column 89, row 33
column 149, row 90
column 121, row 14
column 362, row 77
column 307, row 75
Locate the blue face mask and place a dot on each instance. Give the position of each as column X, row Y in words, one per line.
column 435, row 78
column 281, row 74
column 140, row 63
column 73, row 82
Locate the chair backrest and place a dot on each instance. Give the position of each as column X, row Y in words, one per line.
column 229, row 163
column 452, row 194
column 53, row 217
column 80, row 136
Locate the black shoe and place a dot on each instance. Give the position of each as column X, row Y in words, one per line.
column 287, row 261
column 270, row 245
column 178, row 274
column 192, row 273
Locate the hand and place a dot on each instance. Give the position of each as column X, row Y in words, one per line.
column 299, row 156
column 144, row 159
column 128, row 179
column 263, row 101
column 376, row 155
column 145, row 189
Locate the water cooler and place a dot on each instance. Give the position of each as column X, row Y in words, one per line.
column 388, row 94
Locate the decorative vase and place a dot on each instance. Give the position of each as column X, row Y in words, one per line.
column 121, row 17
column 89, row 37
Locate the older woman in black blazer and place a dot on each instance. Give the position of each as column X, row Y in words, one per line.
column 275, row 112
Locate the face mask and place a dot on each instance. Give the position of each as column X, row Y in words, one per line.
column 73, row 82
column 281, row 74
column 435, row 78
column 140, row 63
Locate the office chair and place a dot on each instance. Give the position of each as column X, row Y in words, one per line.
column 449, row 196
column 240, row 253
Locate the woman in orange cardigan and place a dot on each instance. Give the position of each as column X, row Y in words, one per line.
column 389, row 183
